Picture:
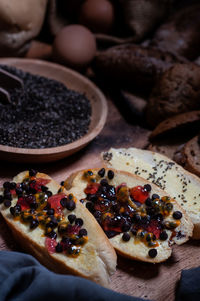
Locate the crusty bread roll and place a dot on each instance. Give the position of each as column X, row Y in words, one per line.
column 20, row 22
column 96, row 260
column 165, row 173
column 137, row 222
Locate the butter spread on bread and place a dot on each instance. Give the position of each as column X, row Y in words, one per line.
column 141, row 220
column 56, row 228
column 165, row 173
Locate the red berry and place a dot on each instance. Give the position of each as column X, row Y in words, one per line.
column 54, row 201
column 153, row 227
column 50, row 244
column 92, row 188
column 139, row 194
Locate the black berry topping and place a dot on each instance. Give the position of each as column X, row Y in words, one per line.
column 163, row 235
column 126, row 236
column 101, row 172
column 177, row 215
column 147, row 187
column 71, row 218
column 152, row 253
column 110, row 174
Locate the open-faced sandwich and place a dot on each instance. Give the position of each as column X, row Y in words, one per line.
column 140, row 220
column 56, row 228
column 165, row 173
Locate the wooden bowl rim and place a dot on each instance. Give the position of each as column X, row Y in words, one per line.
column 66, row 147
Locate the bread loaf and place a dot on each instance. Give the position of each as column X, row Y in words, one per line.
column 165, row 173
column 141, row 220
column 56, row 228
column 176, row 91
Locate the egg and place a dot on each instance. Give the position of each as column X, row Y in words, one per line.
column 74, row 46
column 97, row 15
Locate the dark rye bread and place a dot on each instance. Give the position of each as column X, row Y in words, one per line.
column 181, row 33
column 176, row 91
column 191, row 155
column 176, row 125
column 169, row 137
column 133, row 66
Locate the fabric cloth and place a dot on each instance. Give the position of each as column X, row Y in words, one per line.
column 23, row 278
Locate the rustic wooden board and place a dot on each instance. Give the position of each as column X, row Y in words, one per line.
column 156, row 282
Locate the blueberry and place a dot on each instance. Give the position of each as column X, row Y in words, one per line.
column 111, row 174
column 177, row 215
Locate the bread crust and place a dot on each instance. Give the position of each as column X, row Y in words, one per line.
column 165, row 173
column 130, row 249
column 97, row 260
column 191, row 155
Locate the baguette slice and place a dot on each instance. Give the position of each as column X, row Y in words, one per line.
column 97, row 259
column 165, row 173
column 137, row 246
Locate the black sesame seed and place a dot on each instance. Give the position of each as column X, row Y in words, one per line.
column 82, row 201
column 1, row 199
column 7, row 203
column 152, row 253
column 155, row 196
column 177, row 215
column 101, row 172
column 70, row 205
column 32, row 173
column 59, row 248
column 147, row 187
column 126, row 237
column 111, row 174
column 71, row 218
column 63, row 202
column 79, row 222
column 34, row 223
column 163, row 235
column 82, row 232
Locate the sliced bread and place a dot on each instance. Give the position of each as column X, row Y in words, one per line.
column 56, row 228
column 191, row 155
column 141, row 221
column 165, row 173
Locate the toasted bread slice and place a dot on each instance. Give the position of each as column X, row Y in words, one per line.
column 82, row 250
column 165, row 173
column 137, row 222
column 191, row 155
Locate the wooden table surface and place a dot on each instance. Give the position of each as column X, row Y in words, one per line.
column 155, row 282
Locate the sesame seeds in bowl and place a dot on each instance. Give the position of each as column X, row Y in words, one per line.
column 63, row 128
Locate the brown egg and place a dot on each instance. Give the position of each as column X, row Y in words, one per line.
column 98, row 15
column 74, row 46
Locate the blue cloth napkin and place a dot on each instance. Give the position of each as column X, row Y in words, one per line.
column 23, row 278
